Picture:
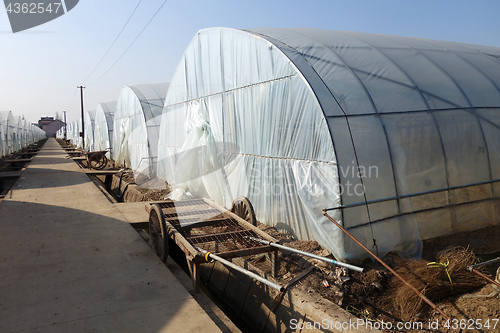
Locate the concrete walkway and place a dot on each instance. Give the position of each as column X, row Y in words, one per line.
column 70, row 262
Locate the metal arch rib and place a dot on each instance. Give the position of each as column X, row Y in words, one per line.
column 468, row 102
column 425, row 102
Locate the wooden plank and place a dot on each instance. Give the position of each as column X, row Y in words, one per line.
column 201, row 223
column 245, row 252
column 132, row 211
column 185, row 246
column 242, row 222
column 214, row 237
column 11, row 174
column 140, row 225
column 18, row 160
column 101, row 172
column 79, row 158
column 172, row 213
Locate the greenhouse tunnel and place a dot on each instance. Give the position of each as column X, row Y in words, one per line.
column 324, row 119
column 3, row 148
column 26, row 133
column 9, row 127
column 73, row 132
column 89, row 130
column 103, row 132
column 18, row 134
column 136, row 128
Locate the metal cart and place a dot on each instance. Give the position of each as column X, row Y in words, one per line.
column 206, row 231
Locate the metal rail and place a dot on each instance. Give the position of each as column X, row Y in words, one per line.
column 472, row 268
column 307, row 254
column 406, row 196
column 209, row 255
column 485, row 277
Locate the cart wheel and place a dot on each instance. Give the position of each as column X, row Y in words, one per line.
column 98, row 161
column 244, row 209
column 158, row 235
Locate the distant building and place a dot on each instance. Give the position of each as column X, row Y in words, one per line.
column 50, row 125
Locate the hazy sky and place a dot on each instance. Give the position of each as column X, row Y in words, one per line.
column 41, row 67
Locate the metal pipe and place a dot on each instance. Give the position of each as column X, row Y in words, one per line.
column 209, row 255
column 399, row 197
column 422, row 296
column 485, row 277
column 471, row 267
column 422, row 210
column 307, row 254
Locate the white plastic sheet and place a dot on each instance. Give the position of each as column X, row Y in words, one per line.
column 9, row 130
column 89, row 130
column 326, row 118
column 103, row 132
column 136, row 127
column 284, row 161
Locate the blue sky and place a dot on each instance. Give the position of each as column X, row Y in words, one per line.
column 41, row 67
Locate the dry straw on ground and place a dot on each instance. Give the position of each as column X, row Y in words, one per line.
column 433, row 280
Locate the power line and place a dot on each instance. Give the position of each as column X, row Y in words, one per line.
column 72, row 100
column 104, row 56
column 130, row 43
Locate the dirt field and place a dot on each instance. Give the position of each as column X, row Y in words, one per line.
column 379, row 297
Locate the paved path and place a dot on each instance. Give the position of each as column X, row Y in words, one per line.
column 70, row 262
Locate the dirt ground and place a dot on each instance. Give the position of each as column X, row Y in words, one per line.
column 373, row 295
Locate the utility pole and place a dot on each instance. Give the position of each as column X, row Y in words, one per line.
column 65, row 132
column 82, row 133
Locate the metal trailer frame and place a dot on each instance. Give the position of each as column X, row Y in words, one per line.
column 178, row 221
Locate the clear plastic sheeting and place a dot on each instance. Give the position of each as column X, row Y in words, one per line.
column 9, row 129
column 35, row 134
column 26, row 135
column 103, row 131
column 3, row 136
column 136, row 129
column 77, row 130
column 323, row 119
column 234, row 88
column 73, row 132
column 16, row 133
column 89, row 130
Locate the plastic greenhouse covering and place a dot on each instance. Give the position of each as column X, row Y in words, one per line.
column 3, row 135
column 89, row 130
column 20, row 132
column 300, row 120
column 136, row 129
column 9, row 131
column 26, row 128
column 73, row 132
column 103, row 131
column 16, row 133
column 76, row 128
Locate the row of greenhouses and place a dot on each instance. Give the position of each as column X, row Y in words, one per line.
column 16, row 133
column 399, row 136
